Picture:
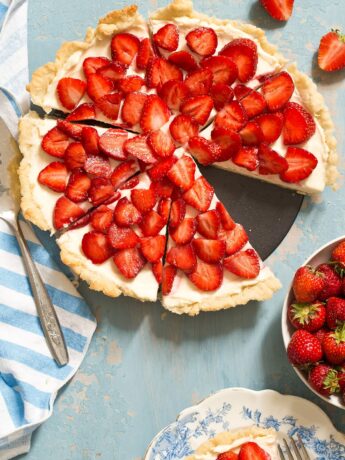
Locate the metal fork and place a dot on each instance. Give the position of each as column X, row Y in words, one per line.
column 298, row 451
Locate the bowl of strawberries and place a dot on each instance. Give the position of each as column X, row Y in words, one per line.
column 313, row 322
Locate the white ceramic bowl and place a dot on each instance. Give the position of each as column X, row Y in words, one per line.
column 322, row 255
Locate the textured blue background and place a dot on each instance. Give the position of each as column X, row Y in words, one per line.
column 145, row 365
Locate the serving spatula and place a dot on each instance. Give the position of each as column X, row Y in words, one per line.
column 9, row 209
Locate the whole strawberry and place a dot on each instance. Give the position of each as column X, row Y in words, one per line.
column 338, row 253
column 334, row 346
column 321, row 334
column 308, row 316
column 341, row 377
column 307, row 284
column 333, row 282
column 324, row 379
column 335, row 315
column 304, row 348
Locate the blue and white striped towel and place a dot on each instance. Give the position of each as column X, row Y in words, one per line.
column 29, row 377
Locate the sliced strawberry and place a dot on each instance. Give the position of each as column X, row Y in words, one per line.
column 299, row 125
column 131, row 183
column 177, row 212
column 109, row 105
column 152, row 223
column 229, row 142
column 278, row 90
column 122, row 237
column 235, row 239
column 331, row 54
column 225, row 218
column 241, row 91
column 167, row 37
column 55, row 142
column 251, row 134
column 92, row 64
column 246, row 157
column 164, row 208
column 66, row 212
column 270, row 162
column 245, row 264
column 163, row 188
column 75, row 156
column 184, row 60
column 254, row 104
column 230, row 455
column 90, row 140
column 207, row 277
column 301, row 164
column 97, row 166
column 208, row 224
column 168, row 277
column 129, row 262
column 160, row 71
column 223, row 69
column 198, row 107
column 131, row 83
column 126, row 214
column 161, row 168
column 231, row 116
column 70, row 91
column 98, row 86
column 243, row 52
column 79, row 223
column 184, row 232
column 143, row 199
column 78, row 186
column 153, row 247
column 101, row 218
column 114, row 71
column 132, row 108
column 112, row 199
column 278, row 9
column 139, row 148
column 157, row 270
column 123, row 172
column 271, row 125
column 145, row 53
column 84, row 111
column 111, row 143
column 199, row 82
column 124, row 47
column 182, row 173
column 221, row 94
column 96, row 247
column 182, row 257
column 200, row 195
column 173, row 93
column 155, row 114
column 54, row 176
column 202, row 40
column 205, row 151
column 210, row 251
column 101, row 190
column 182, row 128
column 161, row 144
column 73, row 130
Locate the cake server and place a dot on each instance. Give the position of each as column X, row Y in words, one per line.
column 9, row 209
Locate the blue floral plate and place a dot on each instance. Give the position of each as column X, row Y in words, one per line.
column 239, row 407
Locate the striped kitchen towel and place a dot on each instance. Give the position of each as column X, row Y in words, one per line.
column 29, row 377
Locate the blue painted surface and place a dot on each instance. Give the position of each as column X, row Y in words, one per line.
column 145, row 365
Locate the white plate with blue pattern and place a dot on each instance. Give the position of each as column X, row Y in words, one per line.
column 239, row 407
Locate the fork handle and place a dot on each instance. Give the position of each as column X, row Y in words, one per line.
column 49, row 320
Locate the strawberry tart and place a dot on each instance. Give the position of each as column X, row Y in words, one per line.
column 133, row 109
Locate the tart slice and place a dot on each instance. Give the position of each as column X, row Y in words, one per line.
column 209, row 263
column 246, row 443
column 68, row 168
column 119, row 250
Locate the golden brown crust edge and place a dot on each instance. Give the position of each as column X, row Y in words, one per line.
column 42, row 77
column 263, row 290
